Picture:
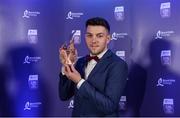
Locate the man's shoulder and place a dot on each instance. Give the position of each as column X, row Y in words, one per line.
column 116, row 59
column 81, row 60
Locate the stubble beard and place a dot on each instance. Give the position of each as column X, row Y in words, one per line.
column 96, row 52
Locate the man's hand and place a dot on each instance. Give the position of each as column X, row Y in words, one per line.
column 72, row 73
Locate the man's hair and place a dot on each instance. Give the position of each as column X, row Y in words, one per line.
column 98, row 21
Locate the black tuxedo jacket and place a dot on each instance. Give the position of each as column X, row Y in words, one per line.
column 99, row 95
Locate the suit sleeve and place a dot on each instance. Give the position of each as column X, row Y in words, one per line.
column 107, row 102
column 66, row 87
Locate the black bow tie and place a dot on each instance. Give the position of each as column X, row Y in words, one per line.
column 89, row 58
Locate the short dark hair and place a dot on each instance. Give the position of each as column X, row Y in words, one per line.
column 98, row 21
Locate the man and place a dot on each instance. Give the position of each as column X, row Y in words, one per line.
column 97, row 81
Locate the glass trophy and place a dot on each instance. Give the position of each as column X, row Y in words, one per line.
column 70, row 54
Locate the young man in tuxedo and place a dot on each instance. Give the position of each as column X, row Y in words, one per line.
column 96, row 81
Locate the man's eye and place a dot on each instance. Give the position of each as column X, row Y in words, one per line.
column 99, row 36
column 89, row 36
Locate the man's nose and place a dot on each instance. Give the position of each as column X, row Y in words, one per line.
column 94, row 39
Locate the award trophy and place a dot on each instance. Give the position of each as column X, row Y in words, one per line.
column 69, row 53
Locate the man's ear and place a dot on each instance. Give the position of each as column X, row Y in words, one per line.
column 108, row 38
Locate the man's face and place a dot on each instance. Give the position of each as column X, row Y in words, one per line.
column 97, row 38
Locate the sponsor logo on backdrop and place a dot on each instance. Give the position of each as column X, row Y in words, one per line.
column 168, row 106
column 121, row 54
column 28, row 14
column 116, row 36
column 33, row 81
column 28, row 59
column 71, row 104
column 165, row 10
column 76, row 35
column 163, row 82
column 166, row 57
column 163, row 34
column 32, row 36
column 122, row 103
column 160, row 82
column 29, row 105
column 119, row 13
column 72, row 15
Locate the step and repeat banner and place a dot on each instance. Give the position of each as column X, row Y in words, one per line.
column 143, row 33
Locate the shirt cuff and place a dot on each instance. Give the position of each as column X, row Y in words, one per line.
column 80, row 83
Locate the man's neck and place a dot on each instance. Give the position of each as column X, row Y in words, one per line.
column 100, row 55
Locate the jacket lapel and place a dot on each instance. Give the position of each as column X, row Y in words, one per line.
column 81, row 67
